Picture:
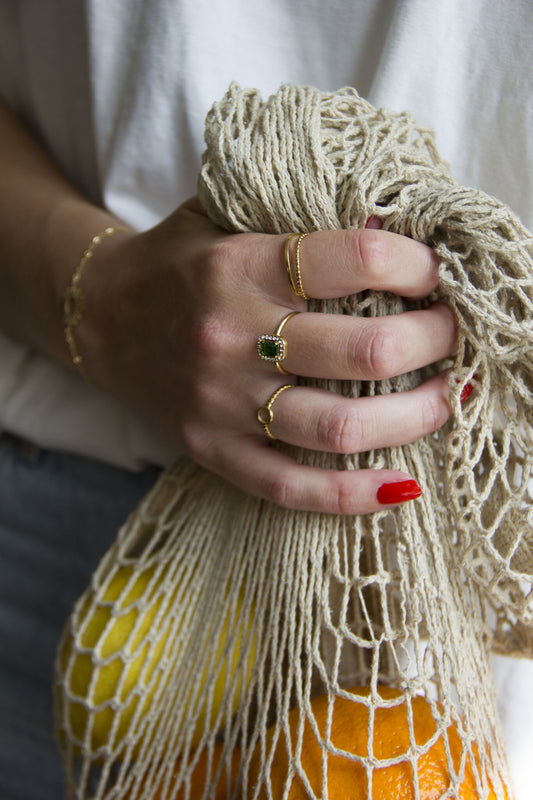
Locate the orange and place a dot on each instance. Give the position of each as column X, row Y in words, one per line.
column 199, row 777
column 347, row 779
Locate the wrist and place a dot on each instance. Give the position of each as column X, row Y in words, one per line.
column 74, row 296
column 67, row 231
column 95, row 301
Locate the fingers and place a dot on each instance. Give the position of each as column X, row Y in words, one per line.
column 333, row 263
column 267, row 473
column 320, row 420
column 343, row 426
column 347, row 348
column 238, row 290
column 339, row 263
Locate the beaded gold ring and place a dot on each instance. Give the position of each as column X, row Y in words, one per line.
column 296, row 279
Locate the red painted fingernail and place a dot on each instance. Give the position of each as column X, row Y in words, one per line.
column 398, row 492
column 373, row 222
column 466, row 392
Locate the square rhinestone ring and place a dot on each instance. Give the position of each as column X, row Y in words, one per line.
column 271, row 347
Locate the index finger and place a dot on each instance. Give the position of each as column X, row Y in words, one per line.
column 339, row 263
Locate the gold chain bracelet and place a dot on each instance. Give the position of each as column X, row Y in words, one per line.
column 74, row 299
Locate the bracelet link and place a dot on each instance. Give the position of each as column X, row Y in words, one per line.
column 74, row 299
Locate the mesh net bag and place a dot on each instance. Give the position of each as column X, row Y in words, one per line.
column 230, row 648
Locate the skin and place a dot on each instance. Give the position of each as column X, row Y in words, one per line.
column 172, row 316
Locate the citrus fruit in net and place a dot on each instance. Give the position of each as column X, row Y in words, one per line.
column 111, row 663
column 347, row 779
column 203, row 772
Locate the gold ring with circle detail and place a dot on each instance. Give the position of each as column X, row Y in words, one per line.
column 265, row 414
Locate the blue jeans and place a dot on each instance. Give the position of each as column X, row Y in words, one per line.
column 58, row 515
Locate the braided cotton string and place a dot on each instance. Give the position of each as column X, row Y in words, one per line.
column 253, row 609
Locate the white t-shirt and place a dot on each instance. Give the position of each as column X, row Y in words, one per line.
column 119, row 91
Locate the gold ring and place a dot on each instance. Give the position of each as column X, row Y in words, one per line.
column 273, row 347
column 265, row 415
column 296, row 279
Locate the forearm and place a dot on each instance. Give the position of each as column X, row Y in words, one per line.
column 45, row 225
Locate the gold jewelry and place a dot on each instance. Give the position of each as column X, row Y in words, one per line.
column 265, row 415
column 273, row 347
column 74, row 299
column 300, row 292
column 288, row 265
column 296, row 279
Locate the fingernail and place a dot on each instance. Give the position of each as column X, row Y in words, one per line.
column 467, row 389
column 466, row 392
column 373, row 222
column 398, row 492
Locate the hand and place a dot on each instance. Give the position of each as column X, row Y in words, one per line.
column 173, row 327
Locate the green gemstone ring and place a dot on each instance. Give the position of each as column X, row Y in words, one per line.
column 273, row 347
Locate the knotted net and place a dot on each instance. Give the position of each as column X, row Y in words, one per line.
column 230, row 648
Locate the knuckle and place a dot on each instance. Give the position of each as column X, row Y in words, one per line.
column 379, row 353
column 339, row 495
column 344, row 499
column 201, row 395
column 212, row 329
column 194, row 439
column 279, row 491
column 231, row 259
column 340, row 430
column 218, row 259
column 210, row 338
column 217, row 270
column 374, row 254
column 434, row 413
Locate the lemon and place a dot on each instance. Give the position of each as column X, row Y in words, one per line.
column 103, row 686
